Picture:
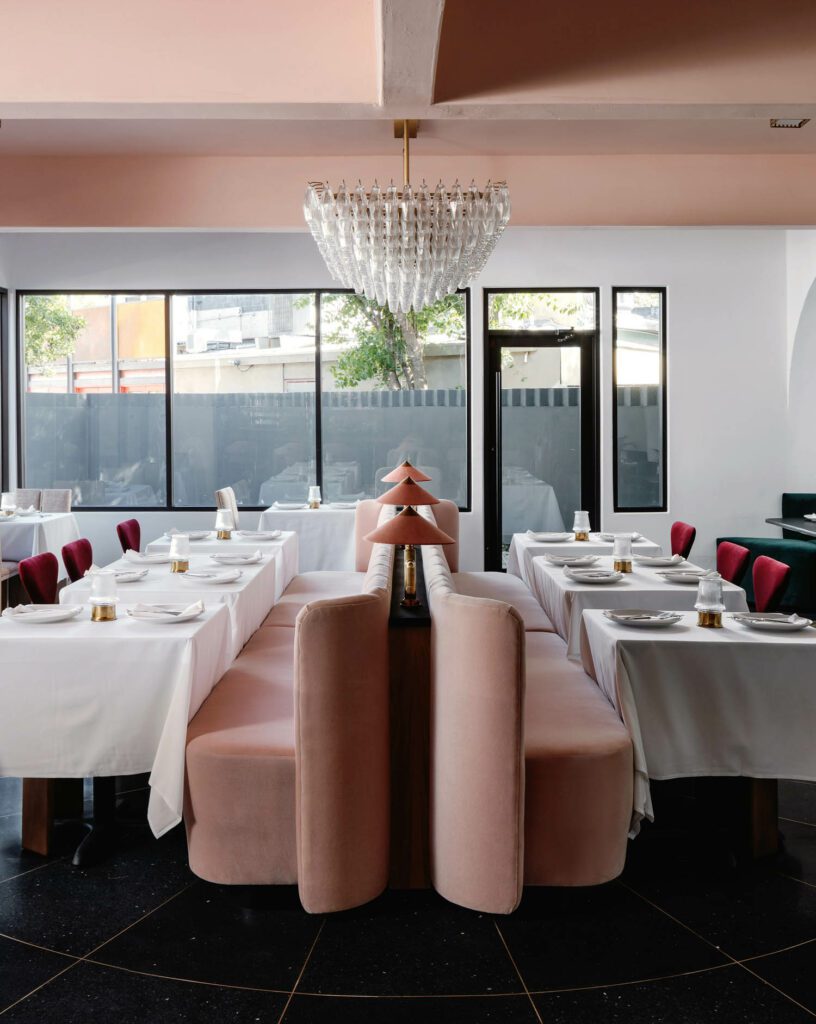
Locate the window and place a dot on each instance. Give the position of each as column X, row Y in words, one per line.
column 243, row 397
column 93, row 379
column 639, row 399
column 394, row 387
column 267, row 392
column 4, row 392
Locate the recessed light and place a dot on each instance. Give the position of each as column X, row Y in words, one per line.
column 789, row 122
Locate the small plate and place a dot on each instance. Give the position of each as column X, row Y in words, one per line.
column 197, row 534
column 772, row 622
column 166, row 613
column 42, row 614
column 258, row 534
column 130, row 575
column 642, row 618
column 290, row 506
column 212, row 578
column 593, row 576
column 610, row 537
column 226, row 559
column 157, row 558
column 658, row 560
column 28, row 512
column 550, row 538
column 574, row 561
column 687, row 578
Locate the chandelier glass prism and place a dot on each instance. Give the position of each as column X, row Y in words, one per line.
column 406, row 248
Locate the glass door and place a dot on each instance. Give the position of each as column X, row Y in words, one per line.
column 541, row 421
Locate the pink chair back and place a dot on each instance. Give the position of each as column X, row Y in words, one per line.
column 446, row 514
column 682, row 538
column 770, row 580
column 39, row 575
column 732, row 561
column 78, row 558
column 130, row 534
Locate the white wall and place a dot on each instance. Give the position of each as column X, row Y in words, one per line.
column 727, row 336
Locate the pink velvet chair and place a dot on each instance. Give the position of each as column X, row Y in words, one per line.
column 130, row 534
column 40, row 575
column 770, row 579
column 78, row 558
column 732, row 560
column 682, row 538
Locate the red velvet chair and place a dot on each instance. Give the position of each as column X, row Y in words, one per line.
column 39, row 575
column 78, row 558
column 732, row 561
column 682, row 538
column 770, row 581
column 130, row 534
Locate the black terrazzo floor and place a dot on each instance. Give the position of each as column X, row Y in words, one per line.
column 684, row 937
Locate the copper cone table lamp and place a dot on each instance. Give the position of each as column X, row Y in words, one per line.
column 407, row 492
column 409, row 528
column 402, row 471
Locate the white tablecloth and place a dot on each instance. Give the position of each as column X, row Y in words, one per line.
column 249, row 600
column 340, row 479
column 701, row 702
column 523, row 549
column 564, row 600
column 325, row 535
column 84, row 698
column 283, row 551
column 25, row 536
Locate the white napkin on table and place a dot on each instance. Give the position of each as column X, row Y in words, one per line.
column 138, row 558
column 811, row 516
column 153, row 611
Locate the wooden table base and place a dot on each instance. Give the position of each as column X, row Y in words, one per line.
column 44, row 800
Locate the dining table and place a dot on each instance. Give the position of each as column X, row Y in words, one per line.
column 524, row 547
column 702, row 702
column 564, row 599
column 528, row 501
column 99, row 699
column 22, row 536
column 248, row 598
column 283, row 550
column 325, row 535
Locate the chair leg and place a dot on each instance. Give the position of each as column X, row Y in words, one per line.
column 98, row 843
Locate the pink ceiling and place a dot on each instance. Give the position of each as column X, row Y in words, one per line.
column 132, row 51
column 695, row 51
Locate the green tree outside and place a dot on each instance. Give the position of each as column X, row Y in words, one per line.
column 51, row 329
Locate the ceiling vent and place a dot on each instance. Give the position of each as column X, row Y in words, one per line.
column 789, row 122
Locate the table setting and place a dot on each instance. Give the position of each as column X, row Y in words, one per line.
column 325, row 533
column 565, row 591
column 109, row 697
column 27, row 532
column 734, row 699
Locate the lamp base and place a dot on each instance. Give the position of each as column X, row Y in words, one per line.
column 709, row 620
column 179, row 565
column 582, row 535
column 622, row 565
column 410, row 602
column 103, row 612
column 224, row 534
column 314, row 504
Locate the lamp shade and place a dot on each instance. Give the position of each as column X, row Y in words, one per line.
column 407, row 492
column 402, row 471
column 409, row 527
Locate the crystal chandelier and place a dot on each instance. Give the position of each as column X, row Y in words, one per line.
column 407, row 248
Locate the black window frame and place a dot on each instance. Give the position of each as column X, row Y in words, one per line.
column 662, row 384
column 5, row 437
column 592, row 498
column 168, row 294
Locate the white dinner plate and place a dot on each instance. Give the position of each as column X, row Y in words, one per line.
column 687, row 578
column 594, row 576
column 192, row 534
column 166, row 613
column 227, row 559
column 574, row 561
column 550, row 538
column 773, row 622
column 8, row 519
column 137, row 558
column 27, row 512
column 42, row 613
column 258, row 534
column 290, row 505
column 642, row 618
column 609, row 537
column 213, row 578
column 658, row 560
column 130, row 575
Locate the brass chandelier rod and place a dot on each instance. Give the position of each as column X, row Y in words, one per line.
column 406, row 130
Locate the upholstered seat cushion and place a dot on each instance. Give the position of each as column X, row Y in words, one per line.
column 502, row 586
column 579, row 774
column 312, row 586
column 240, row 794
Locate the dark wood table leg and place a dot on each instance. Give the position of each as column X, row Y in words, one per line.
column 44, row 800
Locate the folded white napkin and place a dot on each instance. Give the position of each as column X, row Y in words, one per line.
column 222, row 576
column 811, row 516
column 552, row 536
column 289, row 504
column 161, row 611
column 43, row 611
column 228, row 559
column 258, row 534
column 139, row 558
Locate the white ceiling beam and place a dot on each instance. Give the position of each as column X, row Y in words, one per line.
column 408, row 43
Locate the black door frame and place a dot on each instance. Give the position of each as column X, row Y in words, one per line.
column 589, row 343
